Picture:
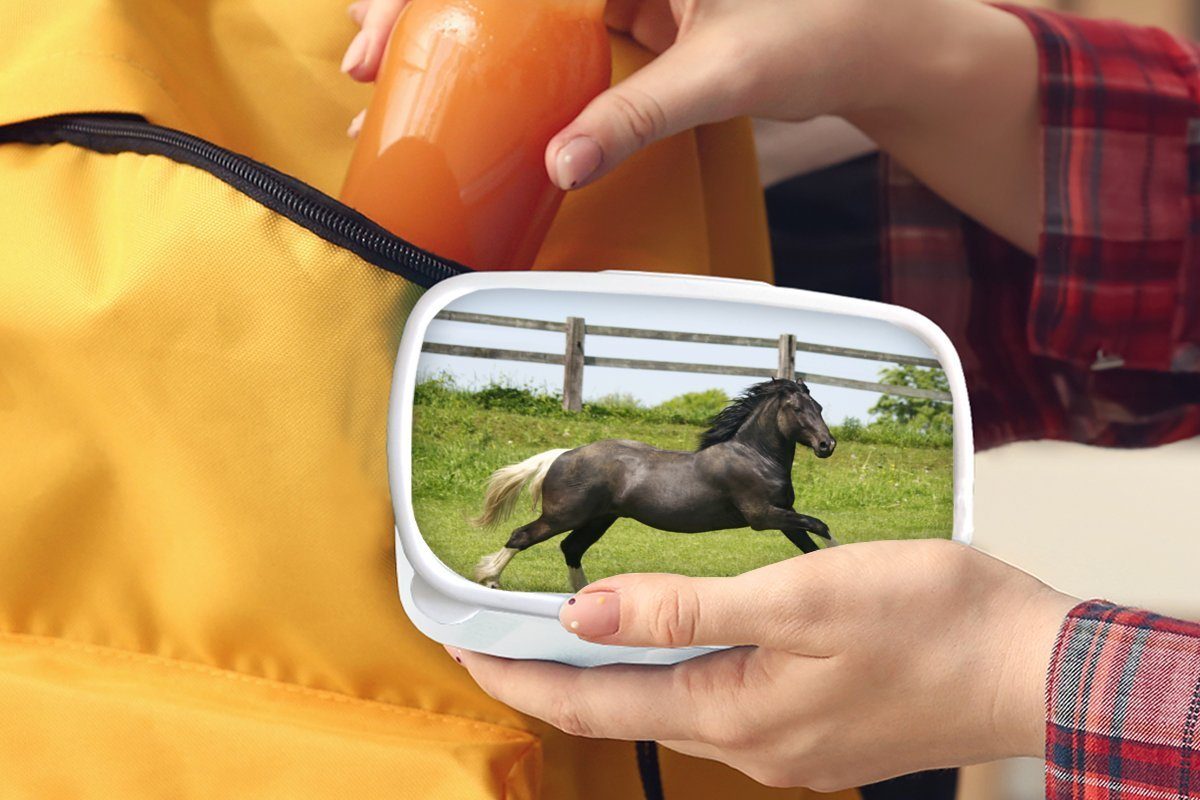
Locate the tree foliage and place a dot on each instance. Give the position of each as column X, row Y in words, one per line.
column 929, row 417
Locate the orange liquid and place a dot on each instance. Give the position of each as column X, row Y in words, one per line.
column 452, row 151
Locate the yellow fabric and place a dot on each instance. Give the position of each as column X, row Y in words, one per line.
column 197, row 590
column 690, row 204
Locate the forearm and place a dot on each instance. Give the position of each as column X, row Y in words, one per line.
column 951, row 92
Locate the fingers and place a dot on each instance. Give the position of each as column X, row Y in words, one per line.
column 358, row 11
column 620, row 14
column 675, row 611
column 358, row 14
column 651, row 24
column 682, row 88
column 356, row 124
column 365, row 52
column 653, row 703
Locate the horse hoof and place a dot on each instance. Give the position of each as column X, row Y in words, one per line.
column 491, row 583
column 576, row 578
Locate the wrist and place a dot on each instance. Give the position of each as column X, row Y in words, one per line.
column 1019, row 709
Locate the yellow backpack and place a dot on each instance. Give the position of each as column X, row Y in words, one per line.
column 197, row 586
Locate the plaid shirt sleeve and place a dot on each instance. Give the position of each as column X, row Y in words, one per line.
column 1123, row 705
column 1097, row 339
column 1117, row 280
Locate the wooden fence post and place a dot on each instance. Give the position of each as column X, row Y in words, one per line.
column 787, row 357
column 573, row 366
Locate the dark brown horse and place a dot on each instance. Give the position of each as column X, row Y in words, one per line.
column 741, row 475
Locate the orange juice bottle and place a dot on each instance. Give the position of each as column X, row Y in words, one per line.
column 452, row 150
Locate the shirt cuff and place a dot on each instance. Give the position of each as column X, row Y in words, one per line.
column 1123, row 705
column 1121, row 125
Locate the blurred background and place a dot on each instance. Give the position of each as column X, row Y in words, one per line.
column 1177, row 16
column 1050, row 508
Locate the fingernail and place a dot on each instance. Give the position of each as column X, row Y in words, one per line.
column 356, row 125
column 454, row 652
column 577, row 161
column 592, row 614
column 356, row 52
column 356, row 11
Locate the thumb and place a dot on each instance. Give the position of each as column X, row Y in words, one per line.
column 680, row 89
column 666, row 611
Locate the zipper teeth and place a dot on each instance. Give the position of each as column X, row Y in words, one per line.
column 393, row 249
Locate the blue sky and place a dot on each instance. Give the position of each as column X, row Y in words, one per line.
column 661, row 313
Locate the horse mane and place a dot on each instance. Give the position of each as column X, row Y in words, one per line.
column 729, row 421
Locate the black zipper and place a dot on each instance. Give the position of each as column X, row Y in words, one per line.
column 318, row 212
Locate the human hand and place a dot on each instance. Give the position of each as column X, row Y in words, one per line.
column 714, row 58
column 375, row 20
column 851, row 665
column 946, row 87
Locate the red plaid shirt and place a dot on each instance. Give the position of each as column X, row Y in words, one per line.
column 1124, row 707
column 1095, row 340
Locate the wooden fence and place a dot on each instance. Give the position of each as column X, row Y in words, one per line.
column 573, row 359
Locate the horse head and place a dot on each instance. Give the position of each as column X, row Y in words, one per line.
column 778, row 405
column 799, row 418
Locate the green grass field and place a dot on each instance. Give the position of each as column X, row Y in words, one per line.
column 877, row 485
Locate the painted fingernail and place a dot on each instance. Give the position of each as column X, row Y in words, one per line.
column 592, row 614
column 454, row 652
column 356, row 53
column 577, row 161
column 356, row 125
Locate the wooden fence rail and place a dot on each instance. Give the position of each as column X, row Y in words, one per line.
column 573, row 359
column 679, row 336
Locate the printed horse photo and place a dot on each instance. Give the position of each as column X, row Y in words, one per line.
column 739, row 476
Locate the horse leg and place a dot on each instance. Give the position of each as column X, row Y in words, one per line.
column 802, row 540
column 796, row 527
column 577, row 543
column 810, row 524
column 488, row 570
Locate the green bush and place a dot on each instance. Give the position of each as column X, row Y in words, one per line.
column 884, row 432
column 618, row 401
column 692, row 408
column 438, row 389
column 519, row 399
column 851, row 430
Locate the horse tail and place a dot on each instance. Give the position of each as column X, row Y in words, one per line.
column 505, row 485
